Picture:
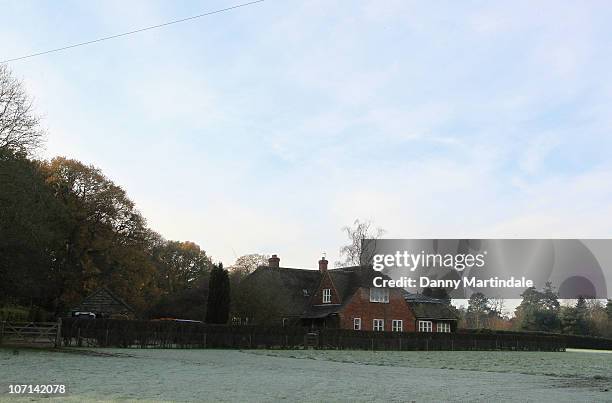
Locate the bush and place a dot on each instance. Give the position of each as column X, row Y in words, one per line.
column 14, row 313
column 18, row 313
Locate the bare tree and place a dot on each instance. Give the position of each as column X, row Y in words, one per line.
column 19, row 125
column 352, row 253
column 497, row 305
column 247, row 264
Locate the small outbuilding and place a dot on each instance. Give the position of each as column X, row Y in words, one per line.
column 105, row 304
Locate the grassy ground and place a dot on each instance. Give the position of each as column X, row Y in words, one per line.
column 266, row 375
column 570, row 364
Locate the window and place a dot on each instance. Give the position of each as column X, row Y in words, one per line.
column 379, row 295
column 357, row 324
column 326, row 295
column 425, row 326
column 397, row 325
column 443, row 327
column 285, row 321
column 379, row 325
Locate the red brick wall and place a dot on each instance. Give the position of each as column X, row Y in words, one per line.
column 361, row 307
column 326, row 282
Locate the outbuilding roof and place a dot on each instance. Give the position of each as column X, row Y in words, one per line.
column 103, row 301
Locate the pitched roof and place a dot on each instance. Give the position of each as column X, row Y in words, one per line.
column 295, row 287
column 425, row 307
column 103, row 300
column 290, row 284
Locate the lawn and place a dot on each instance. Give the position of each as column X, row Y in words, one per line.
column 273, row 375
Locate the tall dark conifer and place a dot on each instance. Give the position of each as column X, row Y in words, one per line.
column 218, row 306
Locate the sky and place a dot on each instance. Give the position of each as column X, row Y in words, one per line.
column 268, row 128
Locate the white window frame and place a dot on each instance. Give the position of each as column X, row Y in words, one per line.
column 397, row 325
column 356, row 323
column 327, row 295
column 378, row 325
column 425, row 326
column 379, row 295
column 443, row 327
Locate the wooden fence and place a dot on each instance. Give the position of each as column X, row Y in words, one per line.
column 168, row 334
column 31, row 333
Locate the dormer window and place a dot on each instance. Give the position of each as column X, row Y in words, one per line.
column 326, row 295
column 379, row 295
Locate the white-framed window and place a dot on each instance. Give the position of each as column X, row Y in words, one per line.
column 425, row 326
column 379, row 295
column 378, row 325
column 397, row 325
column 357, row 323
column 326, row 295
column 443, row 327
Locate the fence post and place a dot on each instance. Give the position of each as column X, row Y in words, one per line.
column 58, row 334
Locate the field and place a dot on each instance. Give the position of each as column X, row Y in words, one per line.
column 272, row 375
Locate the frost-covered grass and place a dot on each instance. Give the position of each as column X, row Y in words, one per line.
column 573, row 363
column 264, row 375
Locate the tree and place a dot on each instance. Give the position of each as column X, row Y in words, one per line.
column 352, row 254
column 497, row 306
column 608, row 326
column 569, row 318
column 108, row 242
column 19, row 126
column 539, row 310
column 477, row 311
column 247, row 264
column 218, row 305
column 582, row 317
column 33, row 228
column 243, row 266
column 180, row 265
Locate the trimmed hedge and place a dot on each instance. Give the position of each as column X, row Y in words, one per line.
column 171, row 334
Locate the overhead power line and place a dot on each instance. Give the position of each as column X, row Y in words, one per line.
column 132, row 32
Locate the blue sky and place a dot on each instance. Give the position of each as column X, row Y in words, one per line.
column 268, row 128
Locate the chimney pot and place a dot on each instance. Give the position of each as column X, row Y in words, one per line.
column 274, row 261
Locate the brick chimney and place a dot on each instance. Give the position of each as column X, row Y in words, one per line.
column 274, row 261
column 323, row 264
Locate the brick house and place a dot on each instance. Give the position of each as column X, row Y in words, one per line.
column 345, row 298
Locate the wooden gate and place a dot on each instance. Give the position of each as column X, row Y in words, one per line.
column 311, row 340
column 31, row 333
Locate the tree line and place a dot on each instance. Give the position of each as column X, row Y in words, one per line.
column 540, row 310
column 67, row 229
